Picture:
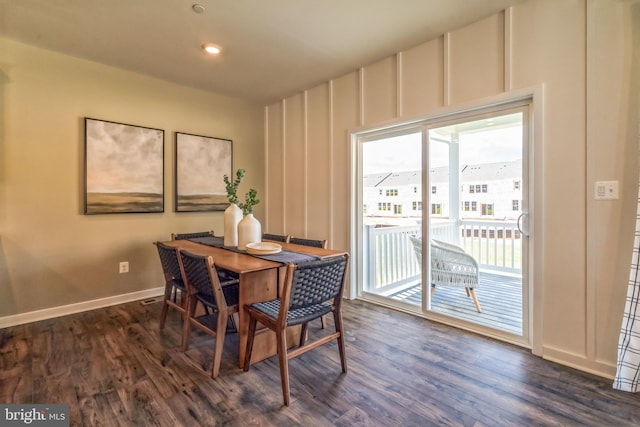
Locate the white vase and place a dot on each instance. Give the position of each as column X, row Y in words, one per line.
column 249, row 231
column 232, row 216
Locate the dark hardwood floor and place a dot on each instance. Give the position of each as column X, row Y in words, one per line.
column 114, row 367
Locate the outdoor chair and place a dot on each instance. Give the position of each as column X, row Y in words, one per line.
column 311, row 290
column 222, row 298
column 450, row 266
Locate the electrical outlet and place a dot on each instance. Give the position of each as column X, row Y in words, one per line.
column 606, row 190
column 124, row 267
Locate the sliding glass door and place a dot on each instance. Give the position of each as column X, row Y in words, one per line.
column 443, row 217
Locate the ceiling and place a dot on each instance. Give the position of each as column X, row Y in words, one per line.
column 271, row 48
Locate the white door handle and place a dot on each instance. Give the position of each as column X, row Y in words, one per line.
column 519, row 225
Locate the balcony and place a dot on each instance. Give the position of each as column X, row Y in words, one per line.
column 394, row 272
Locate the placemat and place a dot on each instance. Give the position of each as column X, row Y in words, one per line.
column 218, row 242
column 284, row 257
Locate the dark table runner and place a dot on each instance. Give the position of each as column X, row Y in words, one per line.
column 284, row 257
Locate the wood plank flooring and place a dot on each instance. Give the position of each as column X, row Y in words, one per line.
column 115, row 368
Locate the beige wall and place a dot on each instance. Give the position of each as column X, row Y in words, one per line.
column 51, row 255
column 579, row 53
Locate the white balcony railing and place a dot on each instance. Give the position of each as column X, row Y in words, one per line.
column 390, row 262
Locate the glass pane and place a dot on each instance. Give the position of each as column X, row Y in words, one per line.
column 392, row 212
column 476, row 262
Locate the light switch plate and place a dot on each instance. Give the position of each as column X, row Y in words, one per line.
column 606, row 190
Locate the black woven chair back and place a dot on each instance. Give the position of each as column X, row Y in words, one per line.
column 169, row 261
column 185, row 236
column 275, row 237
column 196, row 269
column 315, row 282
column 307, row 242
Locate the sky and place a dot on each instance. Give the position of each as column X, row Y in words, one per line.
column 404, row 153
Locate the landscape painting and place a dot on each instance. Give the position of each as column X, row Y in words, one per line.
column 124, row 168
column 201, row 163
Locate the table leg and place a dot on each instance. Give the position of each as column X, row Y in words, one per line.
column 255, row 286
column 259, row 286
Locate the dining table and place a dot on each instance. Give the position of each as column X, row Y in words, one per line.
column 261, row 278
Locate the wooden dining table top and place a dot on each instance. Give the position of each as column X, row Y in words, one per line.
column 242, row 262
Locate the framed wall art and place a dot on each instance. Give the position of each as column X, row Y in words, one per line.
column 124, row 168
column 201, row 163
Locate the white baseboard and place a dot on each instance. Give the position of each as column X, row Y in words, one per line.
column 580, row 362
column 49, row 313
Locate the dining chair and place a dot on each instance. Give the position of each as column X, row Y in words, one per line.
column 224, row 275
column 275, row 237
column 316, row 244
column 308, row 242
column 185, row 236
column 222, row 298
column 173, row 282
column 311, row 290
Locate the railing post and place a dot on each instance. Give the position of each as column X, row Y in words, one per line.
column 370, row 258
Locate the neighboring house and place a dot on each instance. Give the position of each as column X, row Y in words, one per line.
column 488, row 191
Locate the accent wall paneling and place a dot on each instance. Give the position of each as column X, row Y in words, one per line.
column 346, row 113
column 421, row 78
column 380, row 91
column 476, row 60
column 274, row 221
column 549, row 47
column 539, row 46
column 295, row 164
column 611, row 130
column 318, row 171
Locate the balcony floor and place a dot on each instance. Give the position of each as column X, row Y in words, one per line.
column 500, row 297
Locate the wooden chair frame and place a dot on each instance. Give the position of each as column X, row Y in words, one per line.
column 214, row 324
column 172, row 273
column 280, row 324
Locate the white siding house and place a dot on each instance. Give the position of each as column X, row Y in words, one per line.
column 488, row 191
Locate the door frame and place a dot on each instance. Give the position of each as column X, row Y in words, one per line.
column 534, row 96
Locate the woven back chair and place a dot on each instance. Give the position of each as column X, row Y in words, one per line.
column 308, row 242
column 223, row 274
column 275, row 237
column 185, row 236
column 315, row 244
column 311, row 290
column 450, row 266
column 221, row 298
column 173, row 282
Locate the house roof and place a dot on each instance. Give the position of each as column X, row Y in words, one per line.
column 479, row 173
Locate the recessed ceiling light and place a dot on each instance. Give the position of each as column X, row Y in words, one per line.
column 198, row 8
column 212, row 49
